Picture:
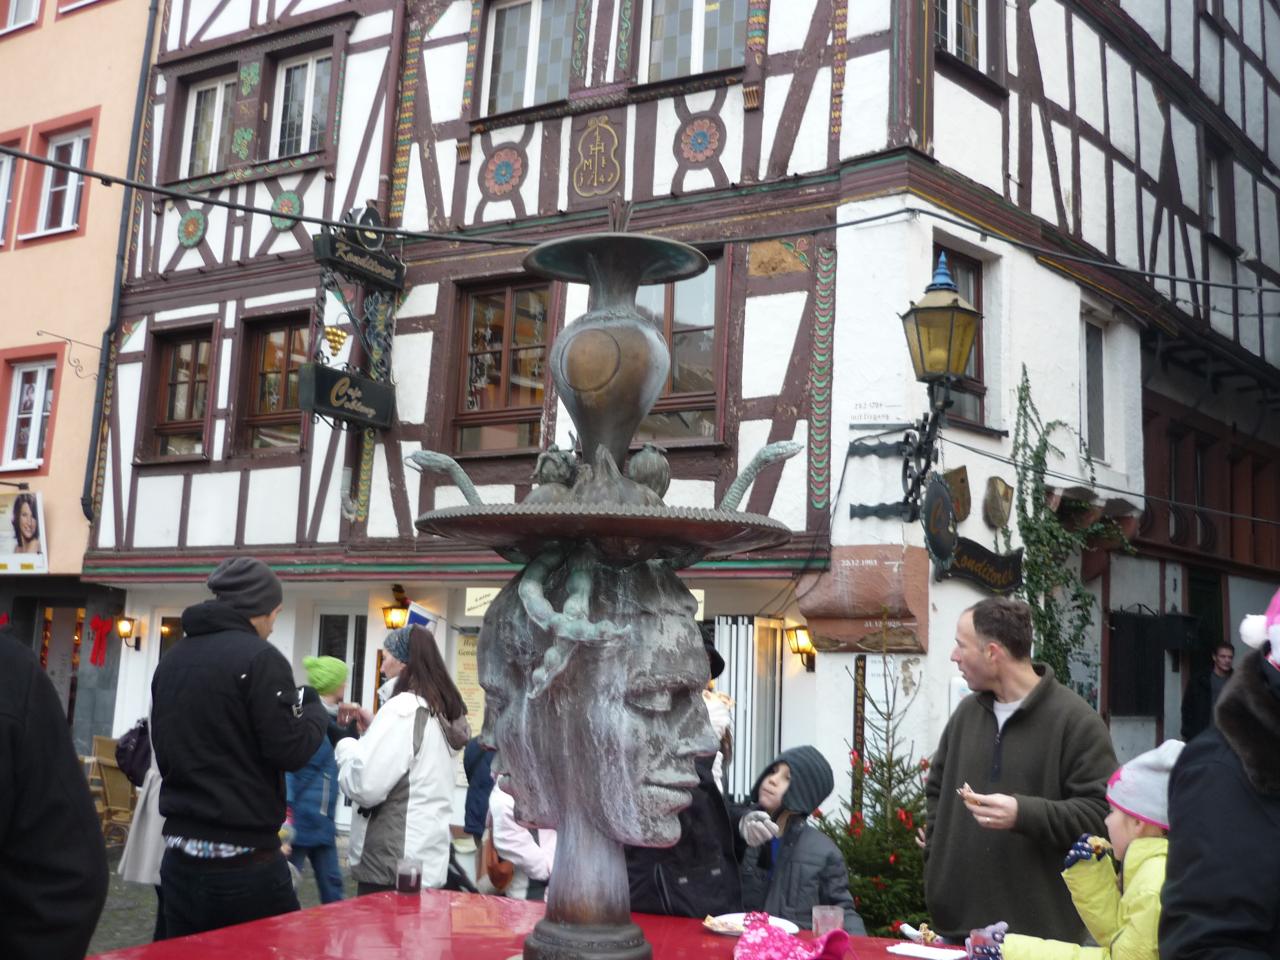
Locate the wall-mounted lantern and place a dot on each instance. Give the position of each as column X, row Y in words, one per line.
column 801, row 645
column 940, row 332
column 395, row 617
column 129, row 630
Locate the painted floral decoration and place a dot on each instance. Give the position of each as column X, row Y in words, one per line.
column 191, row 228
column 504, row 171
column 700, row 140
column 287, row 202
column 240, row 142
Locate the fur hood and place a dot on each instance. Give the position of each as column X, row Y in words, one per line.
column 1248, row 717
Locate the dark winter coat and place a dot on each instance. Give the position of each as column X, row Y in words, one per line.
column 53, row 865
column 1222, row 896
column 806, row 870
column 475, row 764
column 313, row 798
column 1054, row 757
column 226, row 723
column 699, row 875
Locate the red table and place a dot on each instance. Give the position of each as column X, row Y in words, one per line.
column 433, row 926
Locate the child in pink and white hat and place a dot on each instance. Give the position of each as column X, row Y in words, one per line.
column 1121, row 911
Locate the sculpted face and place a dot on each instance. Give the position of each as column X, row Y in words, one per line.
column 617, row 732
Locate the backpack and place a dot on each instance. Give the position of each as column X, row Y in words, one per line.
column 133, row 752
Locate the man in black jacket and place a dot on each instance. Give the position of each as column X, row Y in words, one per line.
column 53, row 865
column 1221, row 900
column 227, row 723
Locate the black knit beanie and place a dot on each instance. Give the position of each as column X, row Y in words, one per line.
column 811, row 779
column 246, row 584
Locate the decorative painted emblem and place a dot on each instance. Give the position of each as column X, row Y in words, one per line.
column 998, row 503
column 191, row 228
column 287, row 202
column 250, row 74
column 958, row 482
column 701, row 138
column 240, row 143
column 597, row 171
column 503, row 171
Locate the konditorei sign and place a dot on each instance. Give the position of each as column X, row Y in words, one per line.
column 343, row 395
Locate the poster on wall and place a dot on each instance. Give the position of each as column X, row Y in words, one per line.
column 22, row 533
column 467, row 677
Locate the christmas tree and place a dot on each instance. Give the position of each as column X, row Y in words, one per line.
column 876, row 828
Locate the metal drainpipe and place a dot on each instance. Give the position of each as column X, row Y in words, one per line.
column 122, row 247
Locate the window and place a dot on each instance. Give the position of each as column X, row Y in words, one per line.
column 1219, row 192
column 6, row 194
column 21, row 13
column 206, row 143
column 515, row 79
column 30, row 404
column 967, row 394
column 686, row 37
column 504, row 368
column 957, row 27
column 686, row 314
column 1094, row 392
column 63, row 190
column 276, row 352
column 184, row 395
column 301, row 116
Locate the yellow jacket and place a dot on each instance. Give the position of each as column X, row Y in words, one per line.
column 1124, row 924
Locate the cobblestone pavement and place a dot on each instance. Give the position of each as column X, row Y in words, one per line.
column 129, row 917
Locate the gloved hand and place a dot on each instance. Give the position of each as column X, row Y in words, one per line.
column 984, row 944
column 1086, row 848
column 757, row 828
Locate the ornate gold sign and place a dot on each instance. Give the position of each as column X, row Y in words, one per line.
column 597, row 171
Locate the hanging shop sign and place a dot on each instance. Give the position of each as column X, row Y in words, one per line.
column 960, row 557
column 342, row 395
column 996, row 572
column 356, row 251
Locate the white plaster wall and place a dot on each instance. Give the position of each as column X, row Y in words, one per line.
column 1150, row 127
column 107, row 513
column 774, row 99
column 691, row 493
column 363, row 71
column 1093, row 196
column 373, row 25
column 233, row 18
column 810, row 150
column 1210, row 62
column 450, row 496
column 271, row 510
column 1184, row 152
column 1125, row 207
column 411, row 370
column 864, row 125
column 456, row 19
column 789, row 32
column 1120, row 102
column 770, row 324
column 667, row 128
column 1048, row 23
column 214, row 498
column 1150, row 16
column 967, row 134
column 1231, row 101
column 128, row 395
column 159, row 511
column 1087, row 52
column 867, row 18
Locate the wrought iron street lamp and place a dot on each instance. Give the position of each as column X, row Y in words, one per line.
column 940, row 332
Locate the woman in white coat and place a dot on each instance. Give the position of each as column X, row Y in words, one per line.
column 399, row 774
column 531, row 852
column 144, row 849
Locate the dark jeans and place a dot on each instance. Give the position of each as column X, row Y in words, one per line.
column 202, row 895
column 158, row 933
column 364, row 889
column 324, row 863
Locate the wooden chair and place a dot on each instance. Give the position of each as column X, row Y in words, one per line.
column 116, row 811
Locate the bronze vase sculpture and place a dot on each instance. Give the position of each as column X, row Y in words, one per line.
column 590, row 657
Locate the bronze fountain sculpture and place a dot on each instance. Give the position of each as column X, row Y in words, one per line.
column 590, row 657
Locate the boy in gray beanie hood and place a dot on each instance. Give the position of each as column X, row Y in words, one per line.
column 790, row 858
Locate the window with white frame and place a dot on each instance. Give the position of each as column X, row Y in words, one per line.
column 300, row 118
column 62, row 191
column 958, row 27
column 1093, row 390
column 206, row 141
column 21, row 13
column 6, row 194
column 30, row 404
column 514, row 79
column 686, row 37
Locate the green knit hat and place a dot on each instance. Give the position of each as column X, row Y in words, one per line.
column 326, row 674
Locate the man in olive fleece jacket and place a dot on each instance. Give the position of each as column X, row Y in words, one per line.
column 1037, row 759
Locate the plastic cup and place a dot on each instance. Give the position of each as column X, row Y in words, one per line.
column 826, row 919
column 408, row 876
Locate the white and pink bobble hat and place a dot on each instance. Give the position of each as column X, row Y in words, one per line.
column 1257, row 628
column 1140, row 788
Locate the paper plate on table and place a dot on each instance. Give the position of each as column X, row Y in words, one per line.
column 731, row 924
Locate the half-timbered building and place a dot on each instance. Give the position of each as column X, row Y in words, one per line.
column 1085, row 167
